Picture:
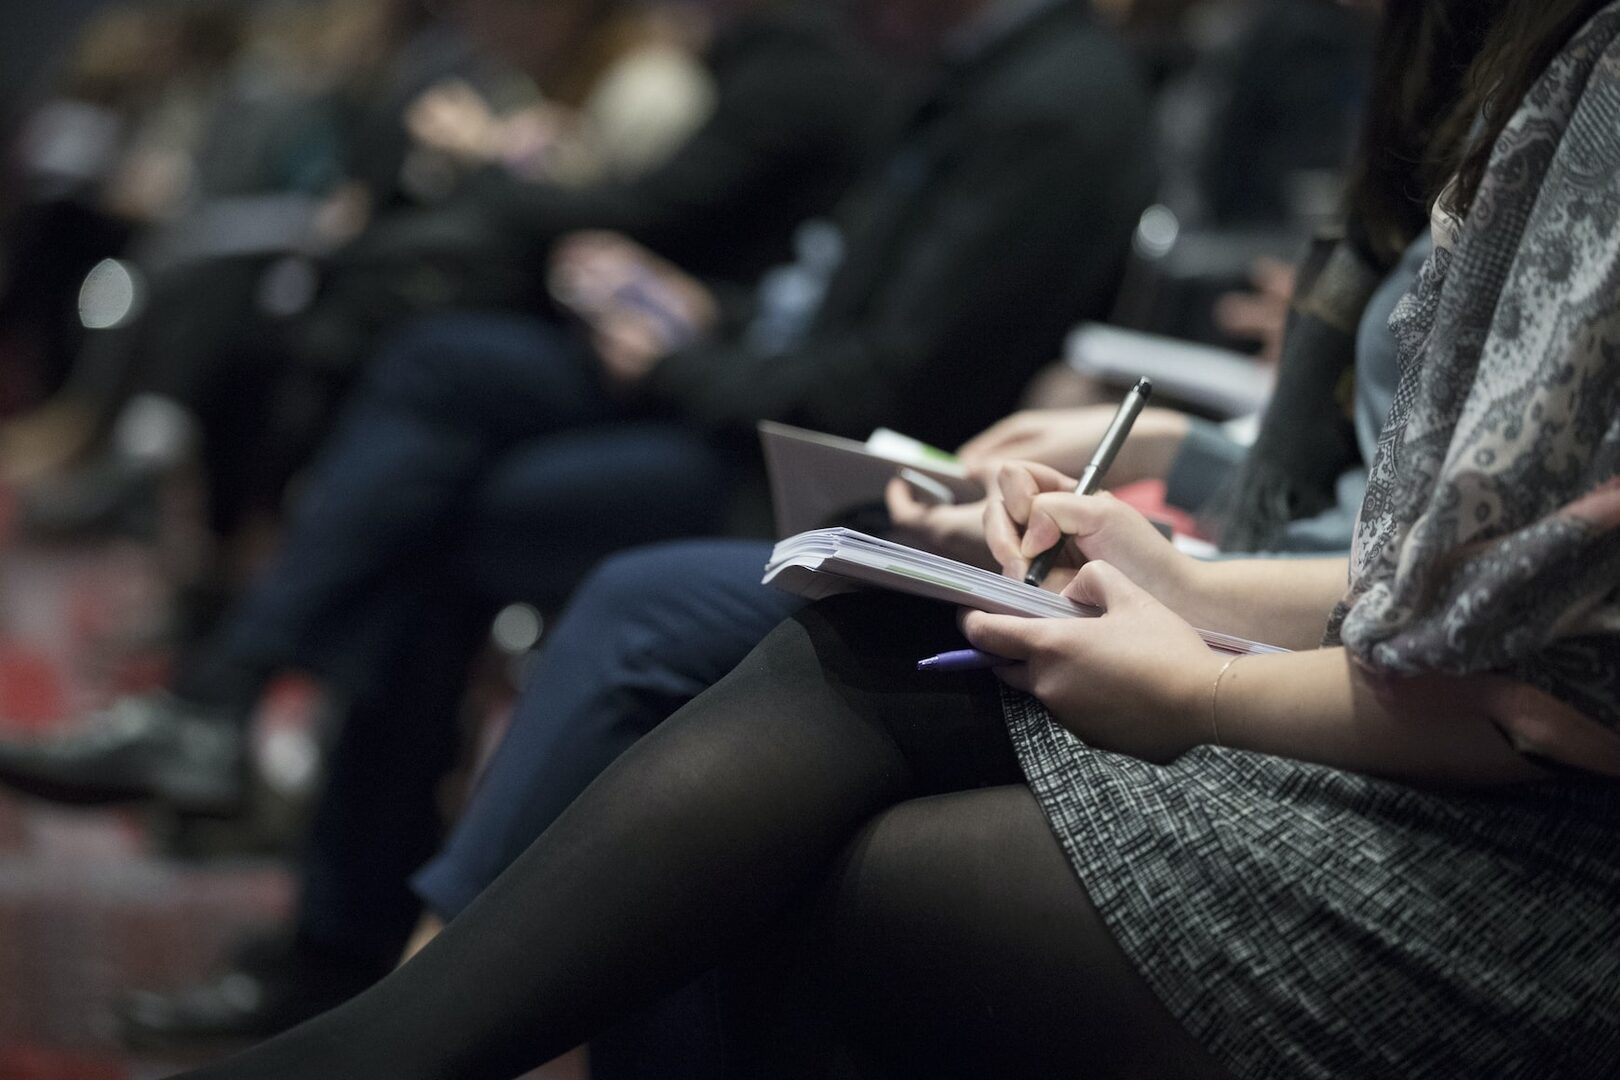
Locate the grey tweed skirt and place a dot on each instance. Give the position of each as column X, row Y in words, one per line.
column 1301, row 921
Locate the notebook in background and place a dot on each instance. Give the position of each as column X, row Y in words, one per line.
column 818, row 480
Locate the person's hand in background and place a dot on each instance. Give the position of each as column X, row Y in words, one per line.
column 1065, row 439
column 453, row 118
column 639, row 307
column 1261, row 315
column 954, row 530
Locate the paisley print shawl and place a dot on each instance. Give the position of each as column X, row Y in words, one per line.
column 1490, row 536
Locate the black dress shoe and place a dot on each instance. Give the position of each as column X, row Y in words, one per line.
column 155, row 747
column 268, row 991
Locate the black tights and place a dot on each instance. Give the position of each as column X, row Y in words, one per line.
column 847, row 837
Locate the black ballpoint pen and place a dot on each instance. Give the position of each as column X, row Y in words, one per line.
column 1091, row 479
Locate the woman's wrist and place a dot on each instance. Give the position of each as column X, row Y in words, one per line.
column 1185, row 588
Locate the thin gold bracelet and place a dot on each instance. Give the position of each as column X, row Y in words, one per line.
column 1215, row 700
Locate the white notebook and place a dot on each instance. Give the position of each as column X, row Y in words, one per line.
column 826, row 562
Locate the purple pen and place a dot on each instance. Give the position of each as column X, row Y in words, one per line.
column 961, row 660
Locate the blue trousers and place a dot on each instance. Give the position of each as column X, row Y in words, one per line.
column 480, row 463
column 476, row 442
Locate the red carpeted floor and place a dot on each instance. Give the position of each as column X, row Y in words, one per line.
column 94, row 903
column 89, row 905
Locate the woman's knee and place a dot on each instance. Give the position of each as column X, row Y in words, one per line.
column 969, row 945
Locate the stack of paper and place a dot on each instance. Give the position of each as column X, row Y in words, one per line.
column 827, row 562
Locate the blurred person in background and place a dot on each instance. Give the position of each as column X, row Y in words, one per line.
column 274, row 138
column 107, row 153
column 968, row 248
column 238, row 364
column 615, row 96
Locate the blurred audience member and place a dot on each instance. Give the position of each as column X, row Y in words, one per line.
column 108, row 151
column 618, row 95
column 244, row 384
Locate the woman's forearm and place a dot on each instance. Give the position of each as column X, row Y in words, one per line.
column 1282, row 602
column 1318, row 706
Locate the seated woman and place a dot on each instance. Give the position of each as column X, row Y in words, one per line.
column 650, row 629
column 1389, row 855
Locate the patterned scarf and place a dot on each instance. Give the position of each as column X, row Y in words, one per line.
column 1490, row 536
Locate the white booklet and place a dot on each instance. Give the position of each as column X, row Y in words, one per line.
column 819, row 479
column 826, row 562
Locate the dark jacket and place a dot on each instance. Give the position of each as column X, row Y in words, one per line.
column 1000, row 217
column 791, row 128
column 796, row 114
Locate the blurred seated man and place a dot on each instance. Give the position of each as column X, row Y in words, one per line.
column 712, row 161
column 999, row 215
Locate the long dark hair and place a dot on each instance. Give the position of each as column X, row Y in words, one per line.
column 1426, row 51
column 1449, row 74
column 1447, row 77
column 1524, row 39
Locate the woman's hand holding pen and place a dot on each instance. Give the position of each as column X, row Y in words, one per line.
column 1035, row 506
column 1136, row 680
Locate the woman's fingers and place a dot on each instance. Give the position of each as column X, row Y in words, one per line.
column 1012, row 637
column 1016, row 487
column 1539, row 724
column 1052, row 516
column 1103, row 585
column 1004, row 539
column 1022, row 482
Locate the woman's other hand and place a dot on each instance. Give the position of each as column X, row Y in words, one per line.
column 1136, row 680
